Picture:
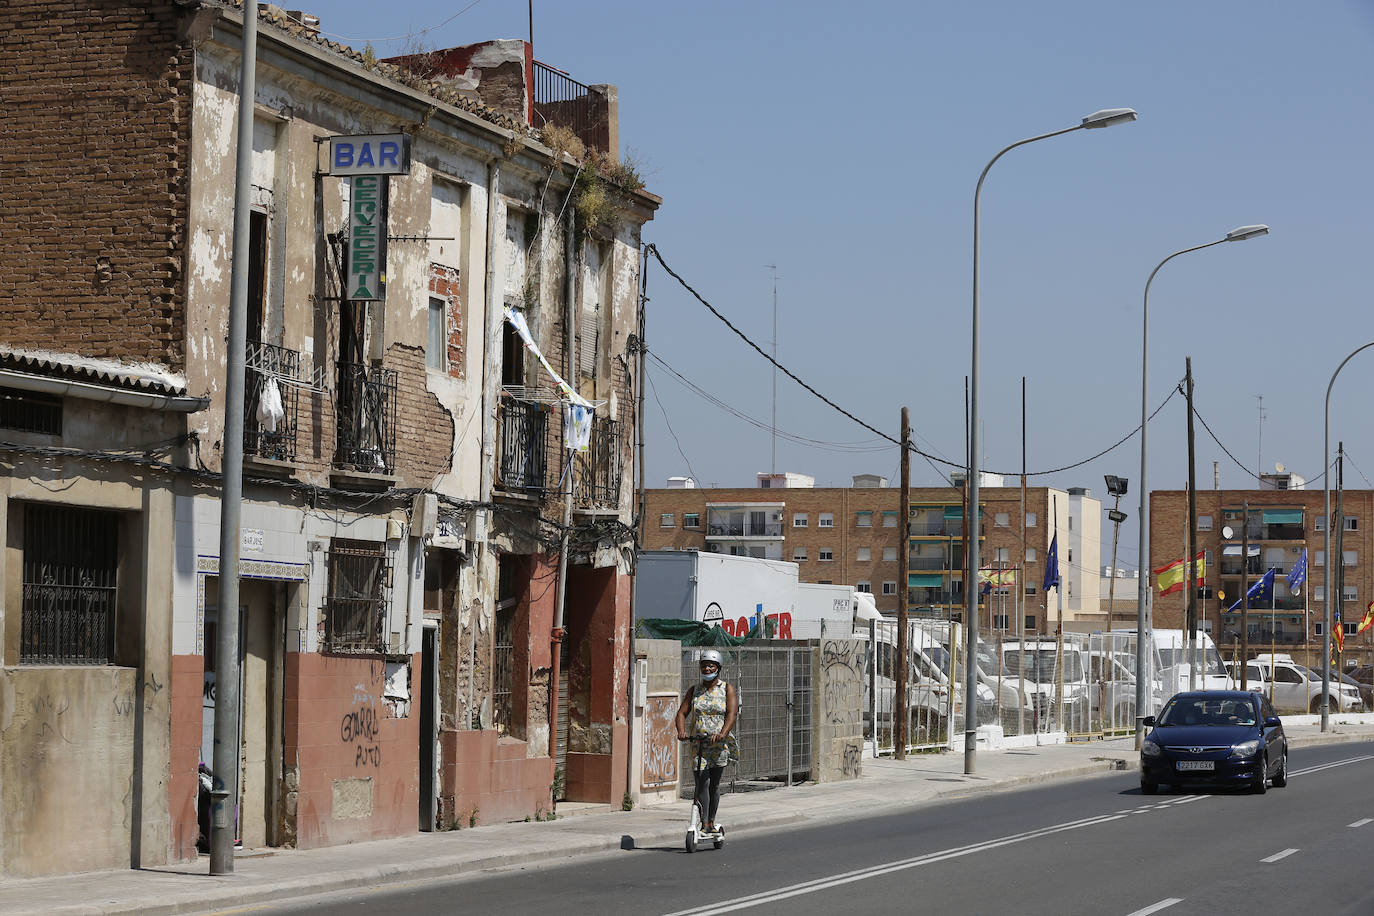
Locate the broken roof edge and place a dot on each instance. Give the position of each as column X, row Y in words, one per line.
column 147, row 377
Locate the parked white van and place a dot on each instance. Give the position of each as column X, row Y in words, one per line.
column 1173, row 666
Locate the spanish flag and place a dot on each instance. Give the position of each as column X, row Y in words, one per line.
column 1173, row 577
column 1367, row 620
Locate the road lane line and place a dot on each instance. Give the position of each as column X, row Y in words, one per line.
column 1156, row 907
column 1361, row 822
column 874, row 871
column 1279, row 855
column 1328, row 766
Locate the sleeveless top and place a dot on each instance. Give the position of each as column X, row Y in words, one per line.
column 708, row 717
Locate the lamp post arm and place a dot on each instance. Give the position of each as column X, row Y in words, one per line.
column 1143, row 622
column 971, row 484
column 1326, row 549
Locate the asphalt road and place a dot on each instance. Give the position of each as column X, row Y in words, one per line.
column 1091, row 846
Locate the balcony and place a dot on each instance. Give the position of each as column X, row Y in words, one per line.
column 931, row 563
column 365, row 419
column 599, row 472
column 1231, row 566
column 560, row 99
column 744, row 529
column 522, row 463
column 272, row 438
column 1283, row 533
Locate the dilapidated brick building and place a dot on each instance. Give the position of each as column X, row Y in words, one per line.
column 413, row 650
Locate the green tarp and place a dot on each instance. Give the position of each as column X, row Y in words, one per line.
column 696, row 633
column 924, row 580
column 1283, row 516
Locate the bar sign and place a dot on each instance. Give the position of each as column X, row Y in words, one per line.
column 366, row 238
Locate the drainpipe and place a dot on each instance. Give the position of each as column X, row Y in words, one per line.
column 491, row 363
column 570, row 349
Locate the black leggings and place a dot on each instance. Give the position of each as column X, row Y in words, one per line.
column 709, row 775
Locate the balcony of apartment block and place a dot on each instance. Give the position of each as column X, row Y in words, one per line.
column 522, row 460
column 270, row 406
column 938, row 564
column 746, row 525
column 365, row 423
column 599, row 472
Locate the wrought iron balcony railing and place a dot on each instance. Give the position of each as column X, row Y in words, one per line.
column 599, row 472
column 522, row 463
column 365, row 419
column 268, row 367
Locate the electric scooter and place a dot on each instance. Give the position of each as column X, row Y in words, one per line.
column 696, row 832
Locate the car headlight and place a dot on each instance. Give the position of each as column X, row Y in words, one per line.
column 1149, row 748
column 1246, row 748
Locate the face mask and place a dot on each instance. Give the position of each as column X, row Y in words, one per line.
column 709, row 677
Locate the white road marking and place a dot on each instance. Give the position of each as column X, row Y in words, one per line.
column 874, row 871
column 1156, row 907
column 1361, row 822
column 1328, row 766
column 1279, row 855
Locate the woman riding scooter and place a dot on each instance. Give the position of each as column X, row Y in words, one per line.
column 707, row 714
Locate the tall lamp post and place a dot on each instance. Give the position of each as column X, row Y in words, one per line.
column 1326, row 554
column 1142, row 614
column 1116, row 487
column 1104, row 118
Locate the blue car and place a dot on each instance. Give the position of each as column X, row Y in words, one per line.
column 1214, row 737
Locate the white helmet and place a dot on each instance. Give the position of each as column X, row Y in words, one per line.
column 711, row 655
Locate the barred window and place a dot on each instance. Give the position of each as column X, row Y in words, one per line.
column 355, row 609
column 30, row 411
column 71, row 560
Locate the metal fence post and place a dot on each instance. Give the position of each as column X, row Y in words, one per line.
column 791, row 691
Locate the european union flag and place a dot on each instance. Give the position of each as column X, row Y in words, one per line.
column 1262, row 590
column 1298, row 575
column 1052, row 566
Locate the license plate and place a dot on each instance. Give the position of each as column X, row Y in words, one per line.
column 1196, row 765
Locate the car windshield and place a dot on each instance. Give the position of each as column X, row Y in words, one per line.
column 1196, row 710
column 1170, row 657
column 1039, row 665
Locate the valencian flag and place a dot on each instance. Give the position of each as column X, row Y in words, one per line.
column 1298, row 575
column 1262, row 590
column 1173, row 577
column 1367, row 620
column 1052, row 566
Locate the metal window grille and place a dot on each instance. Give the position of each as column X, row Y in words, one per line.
column 600, row 470
column 523, row 459
column 71, row 559
column 265, row 361
column 30, row 412
column 359, row 585
column 365, row 407
column 503, row 666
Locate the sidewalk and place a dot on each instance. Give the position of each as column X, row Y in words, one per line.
column 279, row 875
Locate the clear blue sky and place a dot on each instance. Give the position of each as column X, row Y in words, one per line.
column 842, row 142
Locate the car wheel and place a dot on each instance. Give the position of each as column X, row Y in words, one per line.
column 1281, row 777
column 1261, row 783
column 1148, row 788
column 1317, row 705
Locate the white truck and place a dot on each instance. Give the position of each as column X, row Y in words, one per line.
column 733, row 593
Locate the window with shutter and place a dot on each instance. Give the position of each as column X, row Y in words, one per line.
column 590, row 315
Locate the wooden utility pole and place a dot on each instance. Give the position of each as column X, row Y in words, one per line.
column 899, row 738
column 1191, row 578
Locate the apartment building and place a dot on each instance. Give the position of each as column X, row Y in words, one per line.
column 437, row 364
column 1280, row 524
column 852, row 535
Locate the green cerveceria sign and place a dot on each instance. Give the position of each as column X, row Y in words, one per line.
column 367, row 238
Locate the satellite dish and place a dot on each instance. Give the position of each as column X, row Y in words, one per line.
column 1278, row 467
column 1227, row 532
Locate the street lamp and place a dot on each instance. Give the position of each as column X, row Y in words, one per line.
column 1240, row 234
column 1103, row 118
column 1116, row 487
column 1326, row 554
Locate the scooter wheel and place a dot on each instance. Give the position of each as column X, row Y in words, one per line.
column 720, row 837
column 691, row 841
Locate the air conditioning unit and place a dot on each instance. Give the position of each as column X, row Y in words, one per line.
column 777, row 516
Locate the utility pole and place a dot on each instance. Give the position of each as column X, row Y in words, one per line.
column 1191, row 578
column 1337, row 600
column 899, row 738
column 643, row 351
column 225, row 757
column 1244, row 592
column 1021, row 563
column 971, row 522
column 773, row 426
column 1259, row 447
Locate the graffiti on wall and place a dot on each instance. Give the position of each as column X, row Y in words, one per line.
column 359, row 729
column 842, row 663
column 660, row 742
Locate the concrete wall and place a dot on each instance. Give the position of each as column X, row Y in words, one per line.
column 838, row 739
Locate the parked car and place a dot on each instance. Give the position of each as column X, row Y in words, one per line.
column 1215, row 737
column 1364, row 674
column 1295, row 689
column 1366, row 691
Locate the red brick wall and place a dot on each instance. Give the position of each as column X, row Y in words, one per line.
column 338, row 728
column 424, row 428
column 444, row 283
column 96, row 124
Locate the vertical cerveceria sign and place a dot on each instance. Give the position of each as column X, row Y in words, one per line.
column 367, row 161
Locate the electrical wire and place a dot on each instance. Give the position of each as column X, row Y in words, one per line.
column 410, row 35
column 669, row 424
column 653, row 249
